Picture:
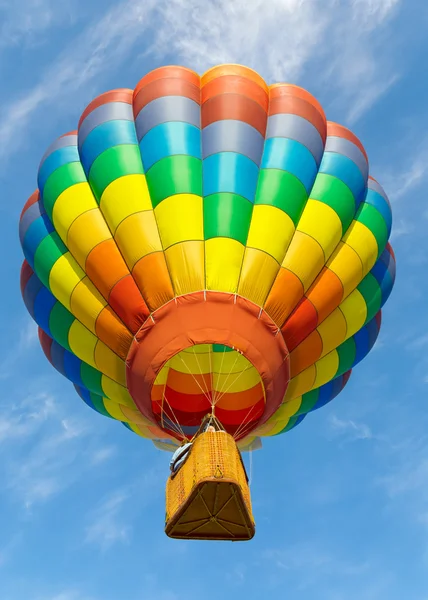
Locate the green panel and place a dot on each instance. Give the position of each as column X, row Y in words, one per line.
column 174, row 175
column 47, row 253
column 291, row 423
column 308, row 402
column 61, row 179
column 371, row 218
column 113, row 163
column 91, row 378
column 227, row 215
column 60, row 321
column 333, row 192
column 221, row 348
column 283, row 190
column 347, row 352
column 98, row 403
column 370, row 290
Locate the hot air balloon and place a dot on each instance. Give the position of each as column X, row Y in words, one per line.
column 206, row 259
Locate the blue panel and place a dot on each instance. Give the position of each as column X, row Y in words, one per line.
column 31, row 214
column 230, row 172
column 362, row 348
column 57, row 357
column 291, row 156
column 61, row 142
column 31, row 291
column 347, row 171
column 105, row 136
column 381, row 205
column 60, row 157
column 170, row 139
column 43, row 306
column 72, row 366
column 36, row 233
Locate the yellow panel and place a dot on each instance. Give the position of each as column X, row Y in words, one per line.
column 332, row 331
column 116, row 392
column 192, row 363
column 354, row 309
column 138, row 235
column 229, row 383
column 73, row 202
column 305, row 258
column 347, row 265
column 229, row 362
column 134, row 416
column 86, row 303
column 134, row 189
column 114, row 410
column 271, row 230
column 257, row 276
column 288, row 409
column 301, row 384
column 85, row 233
column 326, row 369
column 279, row 426
column 162, row 376
column 180, row 218
column 265, row 429
column 109, row 363
column 186, row 267
column 63, row 278
column 322, row 223
column 223, row 262
column 82, row 343
column 361, row 239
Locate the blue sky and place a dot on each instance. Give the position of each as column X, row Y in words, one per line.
column 341, row 502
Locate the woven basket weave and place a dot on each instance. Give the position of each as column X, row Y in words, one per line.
column 209, row 497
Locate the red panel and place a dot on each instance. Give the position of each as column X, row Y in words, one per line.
column 301, row 323
column 26, row 273
column 334, row 129
column 171, row 86
column 236, row 107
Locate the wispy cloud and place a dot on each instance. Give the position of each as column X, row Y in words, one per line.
column 27, row 339
column 23, row 22
column 108, row 525
column 335, row 43
column 350, row 429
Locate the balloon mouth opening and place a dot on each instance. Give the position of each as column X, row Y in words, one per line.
column 189, row 323
column 205, row 379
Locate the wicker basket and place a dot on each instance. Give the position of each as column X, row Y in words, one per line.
column 208, row 498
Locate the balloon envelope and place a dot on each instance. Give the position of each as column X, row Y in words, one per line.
column 206, row 243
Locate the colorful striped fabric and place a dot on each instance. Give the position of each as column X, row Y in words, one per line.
column 206, row 242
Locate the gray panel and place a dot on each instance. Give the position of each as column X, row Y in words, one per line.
column 374, row 185
column 343, row 146
column 112, row 111
column 298, row 129
column 232, row 136
column 30, row 215
column 62, row 142
column 166, row 109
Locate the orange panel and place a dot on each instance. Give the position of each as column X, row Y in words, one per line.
column 127, row 302
column 112, row 332
column 105, row 266
column 326, row 293
column 168, row 72
column 152, row 277
column 233, row 84
column 192, row 383
column 306, row 353
column 232, row 69
column 279, row 90
column 285, row 294
column 301, row 323
column 241, row 400
column 296, row 106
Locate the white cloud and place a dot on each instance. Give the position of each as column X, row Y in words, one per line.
column 27, row 339
column 373, row 12
column 108, row 524
column 349, row 428
column 102, row 455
